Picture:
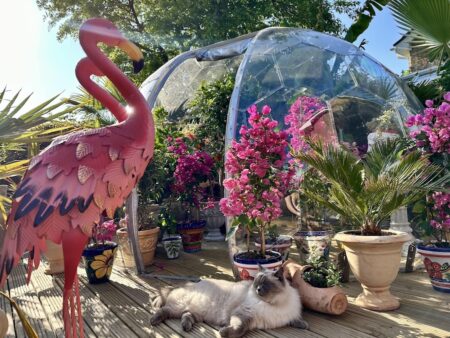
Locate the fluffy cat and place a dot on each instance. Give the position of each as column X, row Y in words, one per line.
column 266, row 303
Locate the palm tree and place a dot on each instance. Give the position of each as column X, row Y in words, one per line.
column 429, row 24
column 366, row 191
column 21, row 130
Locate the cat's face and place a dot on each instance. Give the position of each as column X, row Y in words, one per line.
column 268, row 284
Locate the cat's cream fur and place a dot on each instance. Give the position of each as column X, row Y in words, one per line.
column 266, row 303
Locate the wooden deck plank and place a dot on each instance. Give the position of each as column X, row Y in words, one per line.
column 50, row 295
column 97, row 316
column 27, row 298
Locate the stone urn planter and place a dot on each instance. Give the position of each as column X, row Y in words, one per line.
column 98, row 261
column 437, row 264
column 55, row 258
column 172, row 244
column 147, row 245
column 214, row 220
column 331, row 300
column 312, row 243
column 248, row 267
column 374, row 261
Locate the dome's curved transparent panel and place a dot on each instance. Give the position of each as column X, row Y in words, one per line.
column 283, row 64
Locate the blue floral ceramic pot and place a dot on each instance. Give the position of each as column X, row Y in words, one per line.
column 437, row 264
column 98, row 261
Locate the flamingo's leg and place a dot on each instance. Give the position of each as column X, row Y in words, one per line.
column 73, row 243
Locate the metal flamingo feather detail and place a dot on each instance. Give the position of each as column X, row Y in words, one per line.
column 82, row 175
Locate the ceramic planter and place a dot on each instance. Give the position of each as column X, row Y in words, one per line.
column 192, row 235
column 326, row 300
column 248, row 267
column 437, row 264
column 312, row 243
column 374, row 261
column 281, row 245
column 172, row 245
column 214, row 220
column 98, row 261
column 55, row 258
column 147, row 245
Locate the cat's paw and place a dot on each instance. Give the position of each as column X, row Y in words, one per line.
column 225, row 331
column 300, row 324
column 187, row 321
column 158, row 317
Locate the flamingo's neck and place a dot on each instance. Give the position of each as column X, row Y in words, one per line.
column 139, row 118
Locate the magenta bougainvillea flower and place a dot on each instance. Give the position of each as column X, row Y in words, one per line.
column 256, row 164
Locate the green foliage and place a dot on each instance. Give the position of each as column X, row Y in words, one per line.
column 364, row 17
column 154, row 185
column 323, row 274
column 444, row 77
column 163, row 28
column 366, row 191
column 429, row 24
column 167, row 221
column 426, row 90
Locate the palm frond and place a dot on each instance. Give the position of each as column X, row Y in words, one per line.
column 428, row 22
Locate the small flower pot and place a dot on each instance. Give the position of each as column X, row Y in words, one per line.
column 282, row 244
column 312, row 242
column 192, row 235
column 437, row 264
column 249, row 267
column 214, row 220
column 172, row 245
column 98, row 261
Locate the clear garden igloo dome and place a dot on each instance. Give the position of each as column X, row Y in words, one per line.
column 275, row 66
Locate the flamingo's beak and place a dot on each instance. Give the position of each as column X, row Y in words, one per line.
column 134, row 53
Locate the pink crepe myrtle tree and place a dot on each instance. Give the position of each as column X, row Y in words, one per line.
column 257, row 175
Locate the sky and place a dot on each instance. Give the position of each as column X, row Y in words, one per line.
column 32, row 59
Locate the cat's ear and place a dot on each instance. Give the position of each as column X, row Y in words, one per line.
column 261, row 268
column 280, row 274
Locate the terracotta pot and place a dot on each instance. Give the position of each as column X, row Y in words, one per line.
column 3, row 324
column 55, row 258
column 326, row 300
column 374, row 261
column 98, row 261
column 249, row 267
column 437, row 264
column 147, row 245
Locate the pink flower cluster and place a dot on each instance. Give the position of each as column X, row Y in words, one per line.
column 258, row 179
column 441, row 208
column 193, row 167
column 301, row 110
column 105, row 231
column 432, row 127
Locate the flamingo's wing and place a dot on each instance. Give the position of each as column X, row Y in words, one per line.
column 70, row 184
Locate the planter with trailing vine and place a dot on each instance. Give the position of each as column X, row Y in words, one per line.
column 172, row 244
column 98, row 261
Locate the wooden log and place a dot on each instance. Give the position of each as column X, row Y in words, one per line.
column 326, row 300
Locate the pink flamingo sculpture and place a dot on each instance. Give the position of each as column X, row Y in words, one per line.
column 82, row 175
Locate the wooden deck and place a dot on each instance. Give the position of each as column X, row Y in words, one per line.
column 122, row 308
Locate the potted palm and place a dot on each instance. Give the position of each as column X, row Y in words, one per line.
column 190, row 186
column 98, row 256
column 256, row 184
column 431, row 135
column 364, row 192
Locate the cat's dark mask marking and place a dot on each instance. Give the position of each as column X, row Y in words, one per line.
column 268, row 284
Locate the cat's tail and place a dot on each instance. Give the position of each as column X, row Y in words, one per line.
column 161, row 297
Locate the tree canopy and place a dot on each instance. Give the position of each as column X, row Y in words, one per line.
column 163, row 28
